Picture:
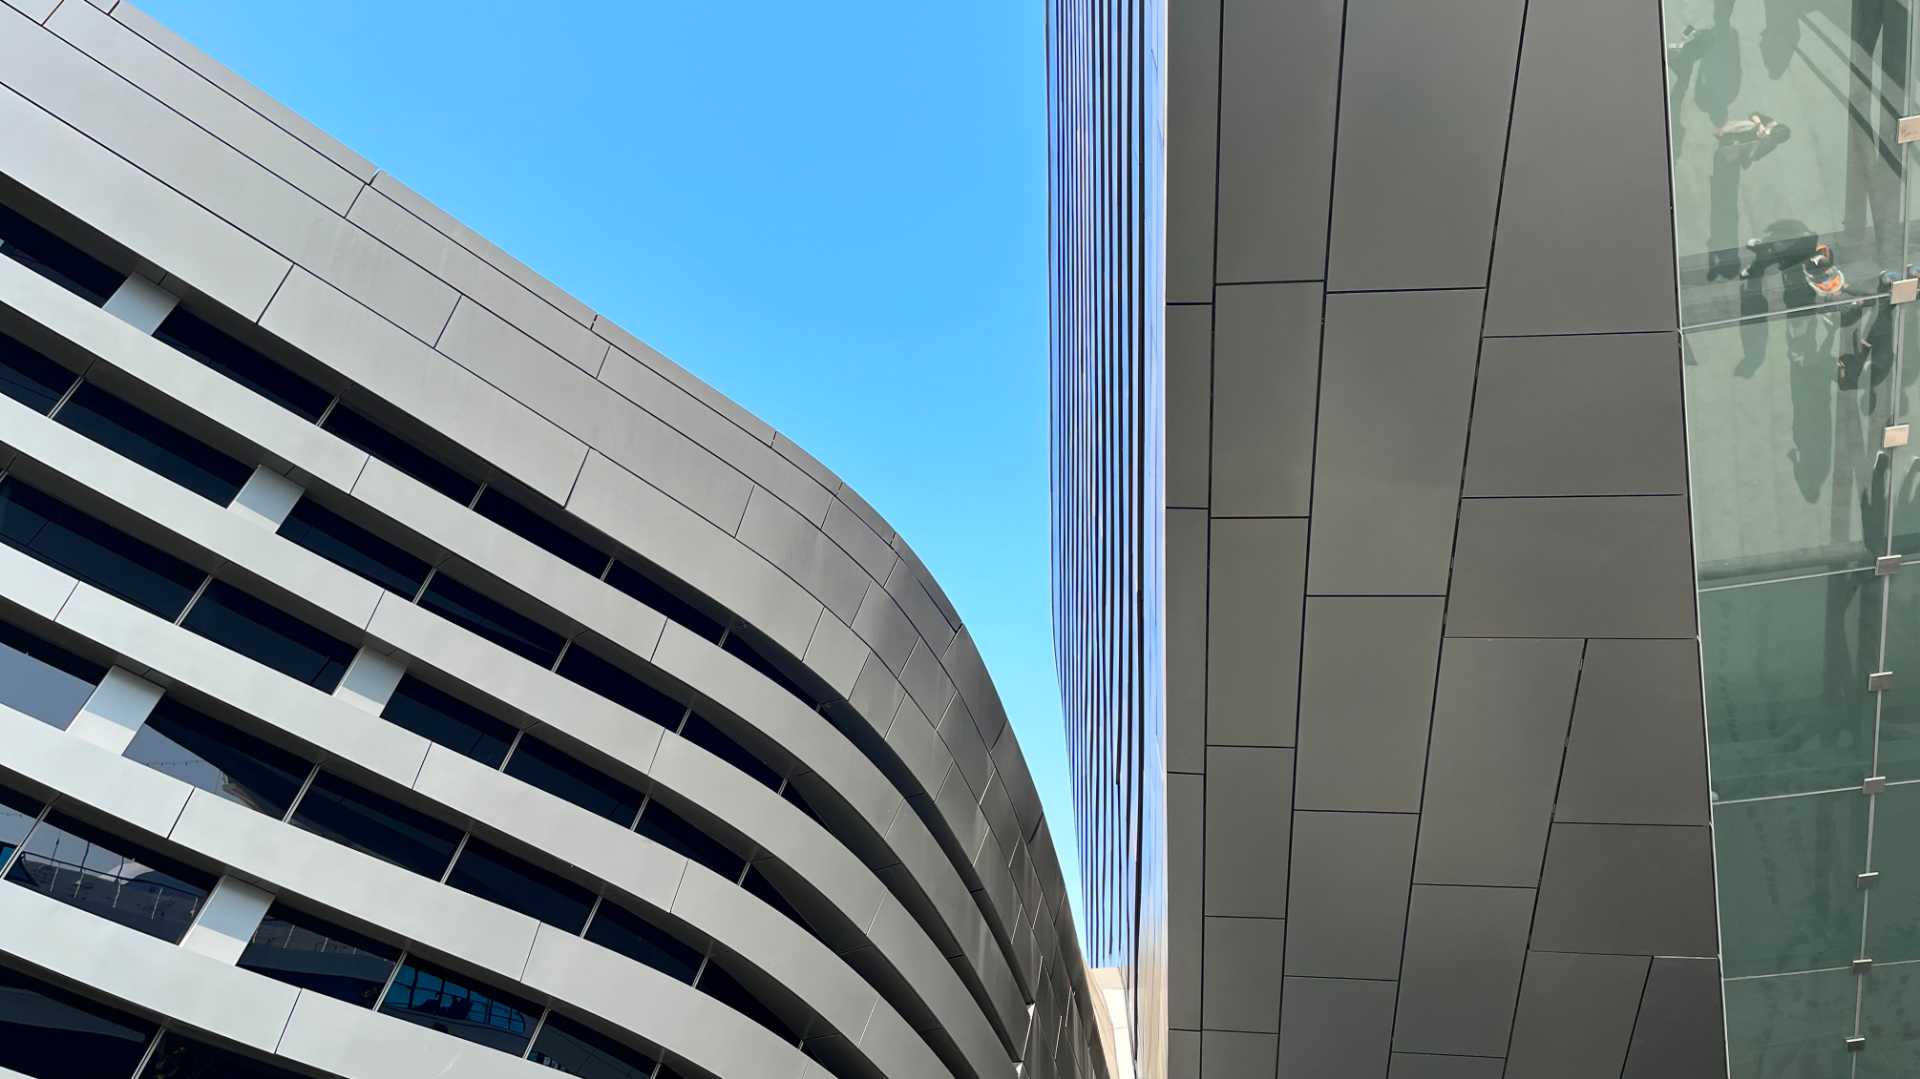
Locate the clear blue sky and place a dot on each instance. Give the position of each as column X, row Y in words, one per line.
column 834, row 213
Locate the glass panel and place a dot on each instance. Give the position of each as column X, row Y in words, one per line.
column 671, row 830
column 218, row 759
column 85, row 867
column 547, row 768
column 48, row 683
column 1790, row 1028
column 1890, row 1018
column 217, row 349
column 401, row 454
column 1900, row 706
column 49, row 1033
column 179, row 1057
column 572, row 1049
column 17, row 814
column 104, row 557
column 717, row 983
column 1789, row 890
column 56, row 260
column 446, row 719
column 30, row 378
column 460, row 1006
column 351, row 547
column 146, row 441
column 581, row 666
column 469, row 608
column 1752, row 195
column 368, row 823
column 1786, row 667
column 539, row 530
column 499, row 877
column 1893, row 909
column 1783, row 427
column 709, row 737
column 296, row 948
column 642, row 587
column 267, row 635
column 618, row 929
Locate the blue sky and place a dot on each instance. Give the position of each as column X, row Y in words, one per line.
column 834, row 213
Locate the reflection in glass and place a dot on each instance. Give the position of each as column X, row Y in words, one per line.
column 49, row 1033
column 1786, row 666
column 618, row 929
column 1791, row 1027
column 441, row 717
column 541, row 765
column 84, row 867
column 17, row 814
column 48, row 683
column 498, row 877
column 378, row 826
column 1788, row 869
column 299, row 949
column 571, row 1048
column 179, row 1057
column 218, row 758
column 460, row 1006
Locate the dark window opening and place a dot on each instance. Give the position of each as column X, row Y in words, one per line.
column 357, row 429
column 541, row 765
column 710, row 738
column 464, row 1007
column 43, row 680
column 84, row 867
column 745, row 651
column 645, row 589
column 725, row 988
column 37, row 524
column 201, row 341
column 146, row 441
column 31, row 378
column 572, row 1048
column 219, row 759
column 671, row 830
column 539, row 530
column 442, row 718
column 57, row 260
column 498, row 877
column 49, row 1033
column 469, row 608
column 377, row 826
column 294, row 947
column 584, row 668
column 264, row 633
column 17, row 814
column 180, row 1057
column 353, row 548
column 620, row 930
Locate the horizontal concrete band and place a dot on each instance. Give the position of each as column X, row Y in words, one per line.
column 345, row 601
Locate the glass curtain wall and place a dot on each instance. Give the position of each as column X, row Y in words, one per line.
column 1791, row 204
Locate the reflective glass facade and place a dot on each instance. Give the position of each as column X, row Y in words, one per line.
column 1792, row 208
column 1107, row 94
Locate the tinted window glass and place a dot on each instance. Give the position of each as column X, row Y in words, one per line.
column 389, row 447
column 351, row 547
column 498, row 877
column 616, row 685
column 461, row 1006
column 676, row 833
column 791, row 793
column 299, row 949
column 17, row 812
column 508, row 628
column 144, row 440
column 725, row 988
column 642, row 587
column 48, row 683
column 448, row 720
column 573, row 1049
column 104, row 557
column 30, row 378
column 218, row 759
column 618, row 929
column 389, row 831
column 751, row 655
column 215, row 348
column 85, row 867
column 257, row 630
column 49, row 1033
column 55, row 259
column 756, row 883
column 545, row 767
column 538, row 530
column 708, row 737
column 182, row 1058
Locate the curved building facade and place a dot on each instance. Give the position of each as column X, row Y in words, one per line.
column 404, row 671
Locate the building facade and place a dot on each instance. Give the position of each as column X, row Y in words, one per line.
column 405, row 671
column 1535, row 448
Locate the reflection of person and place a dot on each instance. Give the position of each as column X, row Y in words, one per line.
column 1829, row 284
column 1754, row 137
column 1738, row 144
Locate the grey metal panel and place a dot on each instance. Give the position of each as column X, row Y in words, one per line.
column 1011, row 767
column 1249, row 803
column 1465, row 948
column 1575, row 1016
column 1586, row 195
column 927, row 682
column 1591, row 415
column 1428, row 1066
column 905, row 586
column 1183, row 1054
column 1366, row 696
column 1347, row 898
column 37, row 10
column 1189, row 403
column 1186, row 874
column 1679, row 1034
column 1193, row 112
column 962, row 814
column 835, row 654
column 852, row 533
column 1425, row 90
column 918, row 747
column 1335, row 1029
column 1637, row 754
column 121, row 50
column 1240, row 973
column 1266, row 359
column 1573, row 567
column 1279, row 75
column 962, row 739
column 1396, row 386
column 968, row 669
column 797, row 546
column 1627, row 889
column 1185, row 589
column 1255, row 589
column 681, row 377
column 1499, row 730
column 1232, row 1055
column 884, row 626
